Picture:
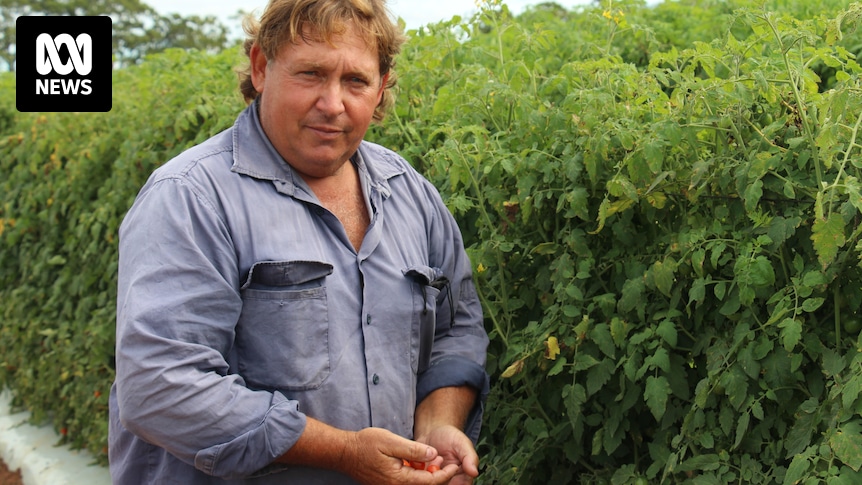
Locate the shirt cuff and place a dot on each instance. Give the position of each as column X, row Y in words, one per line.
column 253, row 452
column 457, row 371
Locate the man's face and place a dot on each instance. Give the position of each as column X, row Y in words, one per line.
column 317, row 100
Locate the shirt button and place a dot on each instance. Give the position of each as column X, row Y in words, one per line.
column 375, row 379
column 368, row 319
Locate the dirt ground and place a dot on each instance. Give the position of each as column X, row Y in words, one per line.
column 7, row 477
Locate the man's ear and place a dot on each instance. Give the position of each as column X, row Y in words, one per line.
column 258, row 67
column 382, row 87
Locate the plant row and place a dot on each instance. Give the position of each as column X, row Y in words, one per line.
column 661, row 204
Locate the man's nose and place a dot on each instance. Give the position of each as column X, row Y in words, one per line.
column 331, row 98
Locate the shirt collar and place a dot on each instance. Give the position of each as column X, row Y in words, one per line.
column 255, row 156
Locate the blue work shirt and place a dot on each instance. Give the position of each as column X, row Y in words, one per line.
column 243, row 307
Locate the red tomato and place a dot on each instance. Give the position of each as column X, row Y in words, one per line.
column 433, row 468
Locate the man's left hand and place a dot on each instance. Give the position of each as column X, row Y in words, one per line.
column 455, row 448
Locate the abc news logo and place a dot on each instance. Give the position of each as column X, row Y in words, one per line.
column 63, row 64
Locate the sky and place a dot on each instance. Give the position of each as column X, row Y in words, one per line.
column 415, row 13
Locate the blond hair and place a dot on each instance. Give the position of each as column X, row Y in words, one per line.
column 284, row 21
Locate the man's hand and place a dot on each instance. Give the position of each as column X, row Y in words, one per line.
column 455, row 449
column 379, row 459
column 371, row 456
column 375, row 456
column 440, row 418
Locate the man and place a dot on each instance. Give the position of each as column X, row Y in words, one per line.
column 295, row 304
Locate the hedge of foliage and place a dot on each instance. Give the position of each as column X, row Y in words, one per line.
column 67, row 180
column 662, row 206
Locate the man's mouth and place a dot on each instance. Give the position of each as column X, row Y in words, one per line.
column 326, row 131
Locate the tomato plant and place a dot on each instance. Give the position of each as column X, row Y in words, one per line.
column 661, row 204
column 67, row 180
column 658, row 202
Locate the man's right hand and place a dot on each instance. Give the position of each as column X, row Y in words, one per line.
column 379, row 459
column 372, row 456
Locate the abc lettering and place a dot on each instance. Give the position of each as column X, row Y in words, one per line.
column 80, row 54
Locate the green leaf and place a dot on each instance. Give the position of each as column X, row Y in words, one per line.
column 812, row 304
column 828, row 236
column 731, row 304
column 663, row 274
column 619, row 330
column 656, row 394
column 797, row 469
column 799, row 436
column 601, row 335
column 558, row 367
column 459, row 204
column 574, row 397
column 546, row 248
column 578, row 199
column 757, row 410
column 756, row 272
column 697, row 292
column 536, row 428
column 741, row 428
column 782, row 229
column 753, row 194
column 599, row 375
column 720, row 290
column 654, row 154
column 833, row 363
column 667, row 331
column 702, row 391
column 736, row 386
column 697, row 259
column 604, row 213
column 813, row 278
column 791, row 333
column 632, row 294
column 846, row 442
column 851, row 392
column 710, row 461
column 660, row 360
column 57, row 261
column 583, row 361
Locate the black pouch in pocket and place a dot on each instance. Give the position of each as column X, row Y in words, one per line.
column 431, row 282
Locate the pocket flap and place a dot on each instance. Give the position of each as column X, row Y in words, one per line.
column 424, row 275
column 286, row 273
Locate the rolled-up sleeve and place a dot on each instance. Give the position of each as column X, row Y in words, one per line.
column 177, row 310
column 460, row 343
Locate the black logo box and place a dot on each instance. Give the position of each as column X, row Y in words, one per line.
column 98, row 99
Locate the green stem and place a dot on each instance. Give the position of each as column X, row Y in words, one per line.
column 835, row 302
column 800, row 102
column 481, row 204
column 850, row 145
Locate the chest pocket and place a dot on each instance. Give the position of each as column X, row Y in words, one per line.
column 282, row 338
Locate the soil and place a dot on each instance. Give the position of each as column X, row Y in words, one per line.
column 9, row 478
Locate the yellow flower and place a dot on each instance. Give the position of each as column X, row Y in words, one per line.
column 481, row 268
column 617, row 16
